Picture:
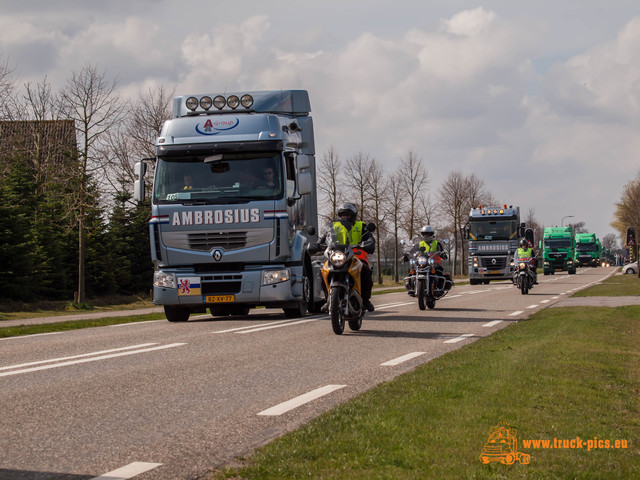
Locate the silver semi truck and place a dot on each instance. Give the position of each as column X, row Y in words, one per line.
column 494, row 234
column 234, row 205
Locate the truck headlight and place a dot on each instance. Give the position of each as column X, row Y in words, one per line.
column 271, row 277
column 164, row 279
column 475, row 261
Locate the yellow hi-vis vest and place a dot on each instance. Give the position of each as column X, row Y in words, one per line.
column 433, row 247
column 346, row 237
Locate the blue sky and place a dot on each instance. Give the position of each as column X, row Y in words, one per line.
column 540, row 99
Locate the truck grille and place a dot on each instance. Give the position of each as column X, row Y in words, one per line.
column 221, row 284
column 208, row 240
column 488, row 262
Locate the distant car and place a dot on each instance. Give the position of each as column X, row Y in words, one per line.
column 631, row 268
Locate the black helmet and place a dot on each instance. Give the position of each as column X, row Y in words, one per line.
column 348, row 211
column 524, row 243
column 427, row 232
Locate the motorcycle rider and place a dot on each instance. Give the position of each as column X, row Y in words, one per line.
column 356, row 234
column 525, row 251
column 429, row 243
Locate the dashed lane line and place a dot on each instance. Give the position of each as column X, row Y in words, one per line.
column 404, row 358
column 301, row 400
column 492, row 324
column 128, row 471
column 460, row 338
column 92, row 359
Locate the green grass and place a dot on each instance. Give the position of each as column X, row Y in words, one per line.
column 616, row 285
column 564, row 373
column 74, row 325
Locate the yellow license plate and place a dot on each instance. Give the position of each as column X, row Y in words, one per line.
column 220, row 299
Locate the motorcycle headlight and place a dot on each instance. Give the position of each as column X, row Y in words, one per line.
column 338, row 258
column 422, row 261
column 522, row 265
column 432, row 262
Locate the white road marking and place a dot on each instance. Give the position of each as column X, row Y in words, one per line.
column 250, row 327
column 491, row 324
column 532, row 306
column 555, row 298
column 93, row 359
column 21, row 365
column 545, row 301
column 30, row 336
column 460, row 338
column 404, row 358
column 518, row 312
column 391, row 305
column 128, row 471
column 282, row 325
column 135, row 323
column 301, row 400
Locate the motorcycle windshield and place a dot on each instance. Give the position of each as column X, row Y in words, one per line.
column 336, row 234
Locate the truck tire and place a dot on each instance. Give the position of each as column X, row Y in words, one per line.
column 307, row 297
column 176, row 313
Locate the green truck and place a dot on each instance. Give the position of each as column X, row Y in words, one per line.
column 588, row 250
column 558, row 247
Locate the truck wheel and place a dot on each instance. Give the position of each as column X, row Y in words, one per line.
column 176, row 313
column 307, row 297
column 572, row 271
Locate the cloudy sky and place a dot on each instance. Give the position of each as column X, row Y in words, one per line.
column 540, row 99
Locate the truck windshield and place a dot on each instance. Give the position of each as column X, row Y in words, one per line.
column 229, row 178
column 557, row 243
column 585, row 247
column 489, row 229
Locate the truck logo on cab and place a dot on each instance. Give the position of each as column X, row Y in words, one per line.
column 214, row 127
column 217, row 255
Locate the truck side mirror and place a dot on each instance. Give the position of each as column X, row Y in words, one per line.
column 303, row 176
column 140, row 169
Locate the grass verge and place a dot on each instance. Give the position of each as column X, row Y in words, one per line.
column 614, row 286
column 565, row 373
column 74, row 325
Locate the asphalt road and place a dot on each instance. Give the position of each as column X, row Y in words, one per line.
column 158, row 400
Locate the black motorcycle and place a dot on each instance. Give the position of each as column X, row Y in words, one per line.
column 427, row 279
column 523, row 277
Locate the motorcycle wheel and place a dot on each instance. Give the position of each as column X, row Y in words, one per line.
column 356, row 324
column 337, row 318
column 422, row 296
column 431, row 303
column 523, row 286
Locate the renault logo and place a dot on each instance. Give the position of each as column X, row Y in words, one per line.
column 493, row 261
column 217, row 255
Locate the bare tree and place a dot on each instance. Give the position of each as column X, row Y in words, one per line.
column 7, row 88
column 628, row 210
column 610, row 242
column 378, row 189
column 413, row 179
column 453, row 201
column 137, row 136
column 328, row 182
column 395, row 206
column 357, row 181
column 95, row 107
column 579, row 227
